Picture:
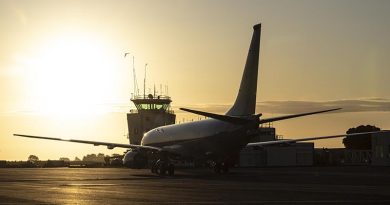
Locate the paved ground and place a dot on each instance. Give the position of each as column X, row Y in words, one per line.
column 309, row 185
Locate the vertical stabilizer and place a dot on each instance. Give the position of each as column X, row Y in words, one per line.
column 245, row 103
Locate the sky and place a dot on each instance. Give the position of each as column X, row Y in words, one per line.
column 63, row 71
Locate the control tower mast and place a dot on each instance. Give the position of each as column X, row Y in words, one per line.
column 151, row 111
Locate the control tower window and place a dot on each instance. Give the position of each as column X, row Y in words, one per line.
column 152, row 106
column 158, row 107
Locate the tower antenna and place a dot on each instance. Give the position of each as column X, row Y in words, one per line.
column 145, row 80
column 134, row 77
column 135, row 80
column 154, row 90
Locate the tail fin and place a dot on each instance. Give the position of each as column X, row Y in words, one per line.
column 245, row 103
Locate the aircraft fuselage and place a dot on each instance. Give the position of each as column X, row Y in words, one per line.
column 208, row 138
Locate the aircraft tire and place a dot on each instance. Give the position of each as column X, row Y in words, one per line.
column 153, row 169
column 161, row 169
column 217, row 168
column 171, row 169
column 225, row 168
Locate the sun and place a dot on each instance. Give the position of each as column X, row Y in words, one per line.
column 72, row 74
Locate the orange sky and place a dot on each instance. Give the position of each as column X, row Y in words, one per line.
column 62, row 71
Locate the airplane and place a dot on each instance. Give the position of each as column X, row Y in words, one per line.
column 214, row 140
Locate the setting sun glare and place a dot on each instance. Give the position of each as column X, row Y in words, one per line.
column 71, row 74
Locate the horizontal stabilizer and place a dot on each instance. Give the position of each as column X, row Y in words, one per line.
column 293, row 116
column 308, row 139
column 225, row 118
column 95, row 143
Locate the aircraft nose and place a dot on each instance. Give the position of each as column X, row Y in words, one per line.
column 147, row 138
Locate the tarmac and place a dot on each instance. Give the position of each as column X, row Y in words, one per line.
column 288, row 185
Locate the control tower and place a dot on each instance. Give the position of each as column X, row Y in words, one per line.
column 152, row 111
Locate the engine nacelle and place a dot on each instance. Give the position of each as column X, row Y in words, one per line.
column 135, row 159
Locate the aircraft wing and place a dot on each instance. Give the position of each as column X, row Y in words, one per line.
column 290, row 141
column 95, row 143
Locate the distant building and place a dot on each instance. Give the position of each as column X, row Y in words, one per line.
column 93, row 158
column 3, row 163
column 378, row 155
column 296, row 154
column 381, row 149
column 342, row 156
column 56, row 163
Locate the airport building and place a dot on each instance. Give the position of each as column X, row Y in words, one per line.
column 151, row 111
column 342, row 156
column 381, row 149
column 378, row 155
column 296, row 154
column 299, row 154
column 304, row 154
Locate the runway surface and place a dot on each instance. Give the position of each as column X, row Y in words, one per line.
column 308, row 185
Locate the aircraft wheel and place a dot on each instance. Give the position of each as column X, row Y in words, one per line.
column 217, row 168
column 171, row 169
column 161, row 169
column 225, row 168
column 153, row 169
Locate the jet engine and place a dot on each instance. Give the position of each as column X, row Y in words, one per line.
column 136, row 159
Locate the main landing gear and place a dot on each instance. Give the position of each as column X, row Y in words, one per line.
column 163, row 167
column 220, row 167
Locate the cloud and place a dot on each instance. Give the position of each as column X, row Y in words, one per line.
column 292, row 107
